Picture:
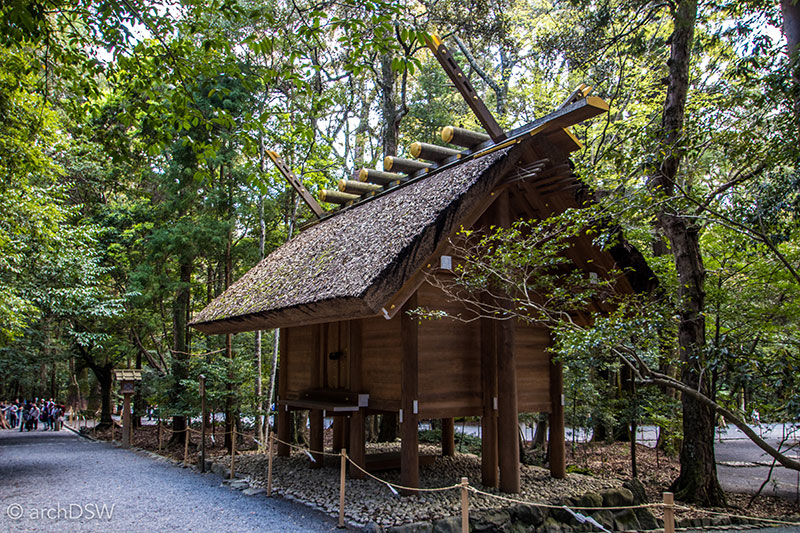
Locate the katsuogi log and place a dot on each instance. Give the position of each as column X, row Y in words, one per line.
column 337, row 197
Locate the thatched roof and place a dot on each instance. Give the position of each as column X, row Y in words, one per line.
column 351, row 264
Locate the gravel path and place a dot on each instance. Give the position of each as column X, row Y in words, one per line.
column 58, row 480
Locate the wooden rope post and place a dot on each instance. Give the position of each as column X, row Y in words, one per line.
column 669, row 513
column 233, row 451
column 186, row 445
column 342, row 476
column 269, row 465
column 159, row 436
column 464, row 505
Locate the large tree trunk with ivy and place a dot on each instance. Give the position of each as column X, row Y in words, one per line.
column 180, row 348
column 698, row 478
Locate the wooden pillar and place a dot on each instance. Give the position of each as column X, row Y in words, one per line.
column 339, row 433
column 355, row 424
column 508, row 416
column 448, row 437
column 284, row 431
column 489, row 458
column 556, row 445
column 126, row 421
column 316, row 436
column 356, row 450
column 409, row 428
column 283, row 422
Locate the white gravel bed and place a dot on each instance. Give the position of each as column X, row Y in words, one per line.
column 372, row 501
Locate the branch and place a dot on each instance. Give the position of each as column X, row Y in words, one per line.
column 160, row 355
column 137, row 341
column 480, row 72
column 725, row 186
column 164, row 45
column 666, row 381
column 742, row 228
column 88, row 359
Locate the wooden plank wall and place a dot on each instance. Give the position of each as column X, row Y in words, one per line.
column 533, row 368
column 449, row 361
column 381, row 362
column 336, row 372
column 300, row 346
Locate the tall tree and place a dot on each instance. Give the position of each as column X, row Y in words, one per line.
column 698, row 478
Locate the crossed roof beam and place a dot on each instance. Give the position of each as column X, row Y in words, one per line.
column 399, row 172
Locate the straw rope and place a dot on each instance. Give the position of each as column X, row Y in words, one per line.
column 768, row 520
column 304, row 449
column 401, row 487
column 551, row 506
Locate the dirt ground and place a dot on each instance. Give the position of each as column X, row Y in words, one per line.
column 656, row 471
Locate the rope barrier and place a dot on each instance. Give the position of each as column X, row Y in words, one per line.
column 551, row 506
column 304, row 449
column 767, row 520
column 401, row 487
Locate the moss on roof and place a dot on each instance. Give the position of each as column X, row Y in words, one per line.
column 351, row 264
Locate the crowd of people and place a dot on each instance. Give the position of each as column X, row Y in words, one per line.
column 28, row 414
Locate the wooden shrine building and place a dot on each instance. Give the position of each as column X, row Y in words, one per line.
column 340, row 292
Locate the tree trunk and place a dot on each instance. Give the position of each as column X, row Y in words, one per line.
column 391, row 122
column 230, row 397
column 698, row 478
column 389, row 428
column 389, row 425
column 540, row 433
column 259, row 358
column 105, row 380
column 276, row 337
column 53, row 388
column 180, row 349
column 138, row 400
column 791, row 29
column 299, row 423
column 74, row 390
column 230, row 415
